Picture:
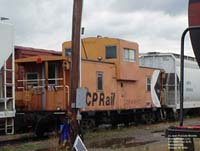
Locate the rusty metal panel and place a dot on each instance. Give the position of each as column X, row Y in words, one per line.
column 24, row 52
column 55, row 100
column 42, row 96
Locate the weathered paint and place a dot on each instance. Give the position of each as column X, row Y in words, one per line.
column 116, row 94
column 95, row 48
column 25, row 52
column 100, row 99
column 124, row 83
column 30, row 99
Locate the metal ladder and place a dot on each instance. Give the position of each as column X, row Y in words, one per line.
column 7, row 101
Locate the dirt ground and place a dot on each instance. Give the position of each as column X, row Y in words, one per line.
column 140, row 138
column 134, row 138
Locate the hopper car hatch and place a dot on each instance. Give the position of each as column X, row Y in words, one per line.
column 42, row 92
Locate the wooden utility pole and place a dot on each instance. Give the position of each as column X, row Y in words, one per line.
column 75, row 63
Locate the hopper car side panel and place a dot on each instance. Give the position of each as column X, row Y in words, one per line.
column 171, row 82
column 168, row 64
column 7, row 86
column 191, row 88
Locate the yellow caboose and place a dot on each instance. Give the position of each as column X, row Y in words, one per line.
column 118, row 88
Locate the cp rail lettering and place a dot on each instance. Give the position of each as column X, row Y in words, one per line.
column 100, row 99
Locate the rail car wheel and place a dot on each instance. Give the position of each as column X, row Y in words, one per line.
column 149, row 118
column 87, row 124
column 44, row 124
column 173, row 115
column 176, row 116
column 162, row 115
column 126, row 123
column 40, row 127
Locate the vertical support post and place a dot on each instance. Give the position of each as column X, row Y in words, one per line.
column 46, row 85
column 1, row 84
column 13, row 88
column 81, row 46
column 5, row 86
column 182, row 77
column 43, row 82
column 64, row 86
column 182, row 71
column 13, row 78
column 75, row 64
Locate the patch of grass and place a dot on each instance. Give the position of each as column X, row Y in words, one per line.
column 24, row 147
column 31, row 146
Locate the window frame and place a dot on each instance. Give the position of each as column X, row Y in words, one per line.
column 127, row 55
column 148, row 83
column 69, row 51
column 98, row 73
column 32, row 83
column 106, row 52
column 56, row 71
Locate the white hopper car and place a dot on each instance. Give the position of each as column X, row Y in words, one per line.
column 171, row 64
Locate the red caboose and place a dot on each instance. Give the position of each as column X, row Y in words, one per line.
column 42, row 89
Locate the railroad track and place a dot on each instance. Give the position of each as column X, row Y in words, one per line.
column 20, row 139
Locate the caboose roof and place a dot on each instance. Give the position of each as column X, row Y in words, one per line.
column 43, row 58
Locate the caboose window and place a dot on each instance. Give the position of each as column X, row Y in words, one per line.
column 52, row 70
column 148, row 83
column 129, row 55
column 111, row 52
column 68, row 52
column 100, row 81
column 32, row 78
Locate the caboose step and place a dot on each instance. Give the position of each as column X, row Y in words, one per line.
column 9, row 84
column 9, row 126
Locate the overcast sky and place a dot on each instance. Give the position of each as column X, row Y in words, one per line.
column 156, row 25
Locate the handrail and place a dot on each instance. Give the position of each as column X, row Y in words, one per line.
column 68, row 96
column 58, row 86
column 35, row 87
column 57, row 79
